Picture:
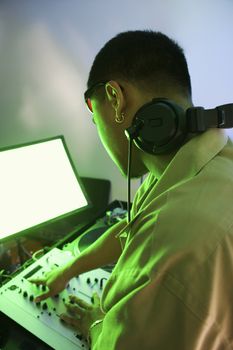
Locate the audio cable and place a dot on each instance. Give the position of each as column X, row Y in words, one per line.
column 130, row 142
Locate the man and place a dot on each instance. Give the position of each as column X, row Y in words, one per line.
column 172, row 287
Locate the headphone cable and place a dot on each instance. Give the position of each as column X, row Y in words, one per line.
column 130, row 141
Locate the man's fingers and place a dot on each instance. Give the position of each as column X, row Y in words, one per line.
column 37, row 281
column 43, row 296
column 79, row 302
column 96, row 299
column 75, row 310
column 73, row 322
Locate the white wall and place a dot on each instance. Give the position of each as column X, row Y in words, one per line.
column 47, row 47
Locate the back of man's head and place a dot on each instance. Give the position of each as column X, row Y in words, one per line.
column 148, row 59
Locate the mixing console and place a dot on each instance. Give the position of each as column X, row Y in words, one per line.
column 42, row 319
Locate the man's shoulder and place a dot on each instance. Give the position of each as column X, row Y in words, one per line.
column 191, row 216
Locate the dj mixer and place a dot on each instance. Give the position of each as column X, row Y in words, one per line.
column 42, row 319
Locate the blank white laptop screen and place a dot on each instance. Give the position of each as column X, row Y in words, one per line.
column 38, row 183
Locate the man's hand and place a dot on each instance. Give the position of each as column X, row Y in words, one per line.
column 55, row 281
column 83, row 314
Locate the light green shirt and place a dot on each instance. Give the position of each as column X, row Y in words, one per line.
column 172, row 288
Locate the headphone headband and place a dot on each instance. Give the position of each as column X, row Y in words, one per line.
column 200, row 119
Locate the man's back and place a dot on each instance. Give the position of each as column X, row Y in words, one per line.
column 173, row 284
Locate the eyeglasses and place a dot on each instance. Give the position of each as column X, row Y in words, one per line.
column 89, row 92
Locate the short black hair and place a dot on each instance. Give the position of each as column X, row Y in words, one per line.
column 143, row 57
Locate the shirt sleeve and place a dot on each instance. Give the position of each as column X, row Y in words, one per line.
column 153, row 317
column 150, row 318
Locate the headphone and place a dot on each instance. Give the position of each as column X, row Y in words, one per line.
column 161, row 125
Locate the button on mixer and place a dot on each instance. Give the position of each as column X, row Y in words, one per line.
column 13, row 287
column 45, row 306
column 79, row 336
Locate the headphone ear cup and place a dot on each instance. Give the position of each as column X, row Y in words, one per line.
column 161, row 126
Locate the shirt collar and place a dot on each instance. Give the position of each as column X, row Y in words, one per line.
column 191, row 158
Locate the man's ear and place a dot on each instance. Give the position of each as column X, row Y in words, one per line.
column 115, row 96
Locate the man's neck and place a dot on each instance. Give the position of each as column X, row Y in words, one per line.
column 157, row 164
